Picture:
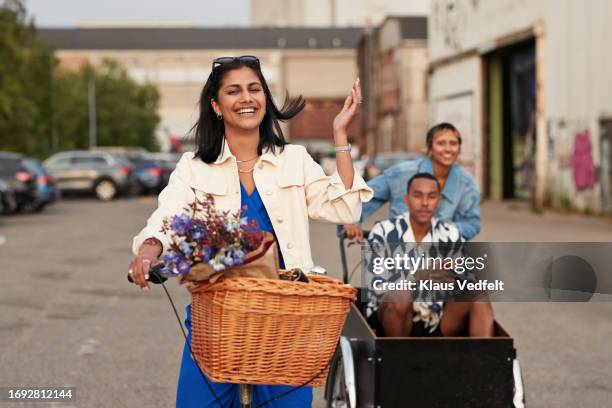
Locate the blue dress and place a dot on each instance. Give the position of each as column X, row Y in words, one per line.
column 193, row 392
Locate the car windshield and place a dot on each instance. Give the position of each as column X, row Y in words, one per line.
column 58, row 161
column 89, row 160
column 33, row 165
column 140, row 161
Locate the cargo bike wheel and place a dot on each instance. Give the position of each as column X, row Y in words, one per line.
column 340, row 391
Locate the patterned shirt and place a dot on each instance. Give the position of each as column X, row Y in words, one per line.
column 394, row 237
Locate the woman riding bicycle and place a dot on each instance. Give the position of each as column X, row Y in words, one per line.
column 243, row 160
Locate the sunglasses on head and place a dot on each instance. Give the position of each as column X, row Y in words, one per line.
column 249, row 59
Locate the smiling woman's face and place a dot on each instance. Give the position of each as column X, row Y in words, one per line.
column 445, row 148
column 241, row 99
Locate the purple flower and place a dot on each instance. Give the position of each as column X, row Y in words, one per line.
column 205, row 253
column 238, row 257
column 184, row 266
column 170, row 257
column 181, row 224
column 227, row 260
column 170, row 260
column 186, row 248
column 198, row 230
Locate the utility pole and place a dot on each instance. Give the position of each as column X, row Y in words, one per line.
column 54, row 136
column 91, row 87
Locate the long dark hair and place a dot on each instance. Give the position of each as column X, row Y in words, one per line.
column 209, row 131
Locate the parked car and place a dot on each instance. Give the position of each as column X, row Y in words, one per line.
column 151, row 175
column 47, row 190
column 104, row 174
column 382, row 161
column 19, row 183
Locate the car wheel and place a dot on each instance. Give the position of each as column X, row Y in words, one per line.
column 105, row 190
column 10, row 204
column 136, row 189
column 41, row 206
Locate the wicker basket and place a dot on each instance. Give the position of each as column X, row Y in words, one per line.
column 268, row 331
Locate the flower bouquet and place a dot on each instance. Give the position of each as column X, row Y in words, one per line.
column 207, row 244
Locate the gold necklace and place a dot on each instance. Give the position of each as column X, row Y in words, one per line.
column 246, row 171
column 245, row 161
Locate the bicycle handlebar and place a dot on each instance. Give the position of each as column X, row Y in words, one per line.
column 155, row 275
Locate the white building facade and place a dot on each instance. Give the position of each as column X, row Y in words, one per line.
column 332, row 13
column 529, row 83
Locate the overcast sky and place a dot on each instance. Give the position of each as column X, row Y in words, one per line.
column 68, row 13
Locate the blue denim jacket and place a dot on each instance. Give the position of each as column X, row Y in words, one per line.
column 460, row 196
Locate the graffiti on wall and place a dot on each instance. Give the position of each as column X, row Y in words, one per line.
column 583, row 167
column 450, row 18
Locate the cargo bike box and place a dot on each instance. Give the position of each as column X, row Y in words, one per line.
column 372, row 371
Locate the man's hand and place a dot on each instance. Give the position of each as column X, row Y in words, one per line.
column 354, row 232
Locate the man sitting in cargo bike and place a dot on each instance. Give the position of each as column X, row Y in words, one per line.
column 414, row 271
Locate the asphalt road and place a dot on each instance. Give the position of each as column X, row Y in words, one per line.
column 69, row 318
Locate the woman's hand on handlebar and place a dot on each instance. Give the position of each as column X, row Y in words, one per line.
column 354, row 232
column 141, row 263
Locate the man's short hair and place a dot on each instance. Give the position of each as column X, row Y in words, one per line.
column 438, row 128
column 427, row 176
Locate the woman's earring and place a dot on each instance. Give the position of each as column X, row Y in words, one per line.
column 219, row 116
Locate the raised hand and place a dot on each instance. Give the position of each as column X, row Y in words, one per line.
column 344, row 118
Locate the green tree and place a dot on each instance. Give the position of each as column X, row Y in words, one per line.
column 44, row 109
column 26, row 66
column 126, row 112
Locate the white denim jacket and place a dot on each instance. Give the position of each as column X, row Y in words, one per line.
column 292, row 186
